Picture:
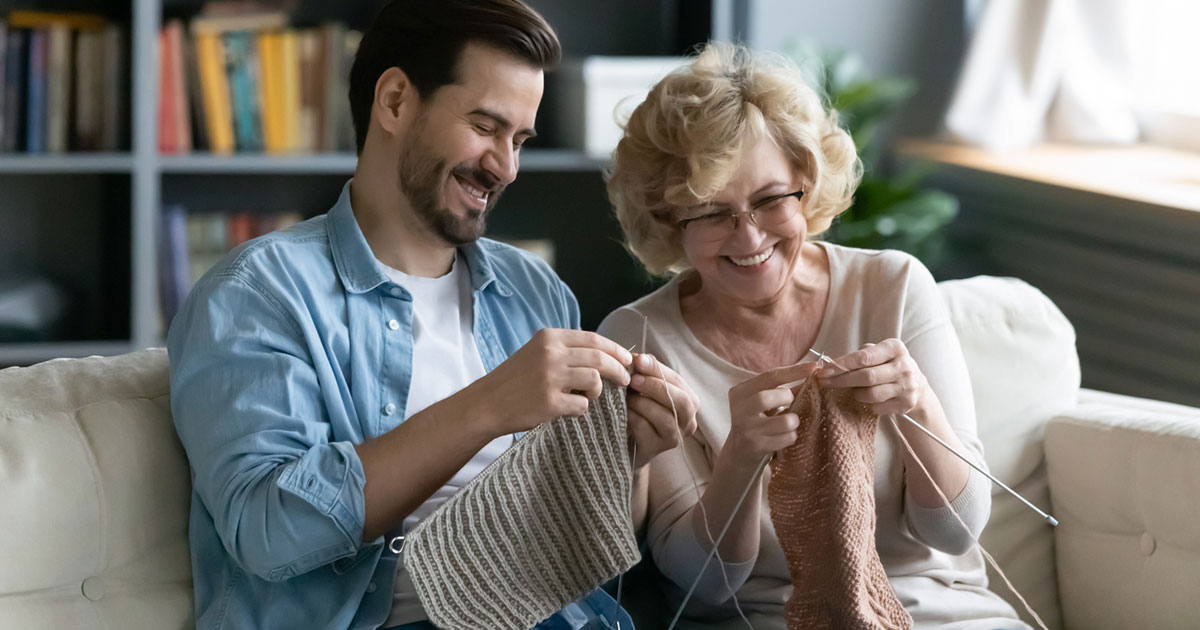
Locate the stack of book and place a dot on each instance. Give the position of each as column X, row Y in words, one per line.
column 62, row 83
column 192, row 242
column 247, row 81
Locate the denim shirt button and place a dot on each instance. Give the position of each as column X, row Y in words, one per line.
column 394, row 325
column 389, row 409
column 397, row 291
column 371, row 587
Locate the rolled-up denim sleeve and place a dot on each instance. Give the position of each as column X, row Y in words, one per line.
column 249, row 411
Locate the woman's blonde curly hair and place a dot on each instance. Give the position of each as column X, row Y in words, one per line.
column 684, row 142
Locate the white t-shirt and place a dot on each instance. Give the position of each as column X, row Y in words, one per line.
column 445, row 359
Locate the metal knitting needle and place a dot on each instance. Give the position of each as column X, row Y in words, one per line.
column 720, row 537
column 1049, row 519
column 632, row 457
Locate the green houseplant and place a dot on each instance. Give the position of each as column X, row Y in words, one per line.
column 890, row 211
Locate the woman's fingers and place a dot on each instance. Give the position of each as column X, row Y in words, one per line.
column 648, row 440
column 772, row 379
column 882, row 375
column 661, row 385
column 862, row 377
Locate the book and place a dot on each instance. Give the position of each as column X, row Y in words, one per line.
column 214, row 86
column 175, row 121
column 241, row 229
column 220, row 24
column 311, row 86
column 16, row 67
column 333, row 36
column 174, row 273
column 58, row 87
column 166, row 108
column 35, row 106
column 182, row 113
column 86, row 119
column 193, row 93
column 241, row 68
column 114, row 120
column 289, row 62
column 3, row 84
column 66, row 19
column 270, row 93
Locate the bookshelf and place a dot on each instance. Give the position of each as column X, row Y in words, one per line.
column 92, row 221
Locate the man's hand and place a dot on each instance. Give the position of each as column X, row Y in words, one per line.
column 557, row 373
column 653, row 423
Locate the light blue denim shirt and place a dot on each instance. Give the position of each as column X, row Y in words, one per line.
column 292, row 349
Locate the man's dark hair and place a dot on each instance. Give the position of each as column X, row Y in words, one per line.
column 425, row 39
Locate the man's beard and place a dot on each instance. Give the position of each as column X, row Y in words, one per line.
column 421, row 180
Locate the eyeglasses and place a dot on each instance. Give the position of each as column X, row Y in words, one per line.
column 768, row 213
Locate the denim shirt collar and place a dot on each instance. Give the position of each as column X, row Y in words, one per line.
column 360, row 271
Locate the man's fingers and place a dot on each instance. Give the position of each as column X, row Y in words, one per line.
column 585, row 339
column 596, row 359
column 585, row 381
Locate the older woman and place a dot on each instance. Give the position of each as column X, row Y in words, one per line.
column 724, row 175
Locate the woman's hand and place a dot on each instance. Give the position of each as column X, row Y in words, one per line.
column 760, row 423
column 883, row 376
column 662, row 408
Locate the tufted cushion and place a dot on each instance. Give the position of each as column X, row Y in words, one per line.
column 1020, row 353
column 1125, row 473
column 95, row 496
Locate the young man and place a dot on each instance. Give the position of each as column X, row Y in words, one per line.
column 334, row 382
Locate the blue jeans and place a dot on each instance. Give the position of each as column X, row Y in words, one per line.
column 595, row 611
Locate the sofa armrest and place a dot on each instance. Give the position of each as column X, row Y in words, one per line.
column 1124, row 478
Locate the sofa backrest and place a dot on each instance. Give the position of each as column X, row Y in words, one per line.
column 95, row 485
column 94, row 497
column 1020, row 352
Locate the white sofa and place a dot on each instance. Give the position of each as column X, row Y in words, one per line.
column 94, row 485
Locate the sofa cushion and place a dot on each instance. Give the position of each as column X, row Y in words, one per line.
column 1020, row 353
column 96, row 493
column 1124, row 473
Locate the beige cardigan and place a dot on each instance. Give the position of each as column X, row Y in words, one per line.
column 873, row 296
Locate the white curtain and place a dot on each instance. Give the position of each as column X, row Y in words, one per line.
column 1046, row 70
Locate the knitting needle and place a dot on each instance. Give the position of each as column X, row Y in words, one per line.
column 1047, row 517
column 632, row 459
column 720, row 537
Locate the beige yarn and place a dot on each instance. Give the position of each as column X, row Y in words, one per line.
column 822, row 504
column 544, row 524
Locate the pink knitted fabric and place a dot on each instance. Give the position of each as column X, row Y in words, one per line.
column 822, row 504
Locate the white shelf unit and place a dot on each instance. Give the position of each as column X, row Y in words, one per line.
column 17, row 163
column 147, row 173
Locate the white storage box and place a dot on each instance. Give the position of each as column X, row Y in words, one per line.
column 593, row 93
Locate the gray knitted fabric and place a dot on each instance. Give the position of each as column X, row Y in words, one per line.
column 546, row 523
